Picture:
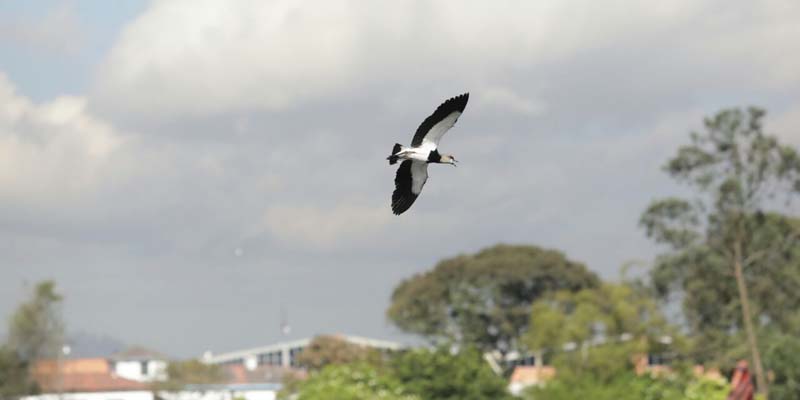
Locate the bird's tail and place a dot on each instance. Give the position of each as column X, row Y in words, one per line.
column 396, row 149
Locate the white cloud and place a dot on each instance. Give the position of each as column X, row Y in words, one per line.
column 51, row 152
column 210, row 57
column 200, row 57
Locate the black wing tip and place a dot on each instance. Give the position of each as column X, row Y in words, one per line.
column 463, row 96
column 401, row 207
column 459, row 102
column 401, row 202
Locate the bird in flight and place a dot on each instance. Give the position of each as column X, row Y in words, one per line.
column 413, row 170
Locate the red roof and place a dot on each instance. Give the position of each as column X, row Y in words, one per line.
column 529, row 374
column 80, row 375
column 237, row 373
column 72, row 366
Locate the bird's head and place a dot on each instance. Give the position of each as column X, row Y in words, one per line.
column 449, row 159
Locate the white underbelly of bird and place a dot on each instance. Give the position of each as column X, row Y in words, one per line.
column 419, row 154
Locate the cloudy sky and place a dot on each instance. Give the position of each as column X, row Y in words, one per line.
column 187, row 169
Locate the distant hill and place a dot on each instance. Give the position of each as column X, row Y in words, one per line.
column 86, row 345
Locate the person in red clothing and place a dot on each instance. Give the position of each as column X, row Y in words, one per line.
column 741, row 383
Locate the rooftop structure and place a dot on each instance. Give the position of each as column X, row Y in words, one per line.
column 285, row 353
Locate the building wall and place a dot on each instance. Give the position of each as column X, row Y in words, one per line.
column 223, row 394
column 131, row 395
column 228, row 394
column 142, row 371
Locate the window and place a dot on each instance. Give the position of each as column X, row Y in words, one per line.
column 144, row 364
column 293, row 353
column 273, row 358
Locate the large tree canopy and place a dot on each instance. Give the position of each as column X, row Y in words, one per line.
column 608, row 324
column 728, row 257
column 484, row 299
column 704, row 278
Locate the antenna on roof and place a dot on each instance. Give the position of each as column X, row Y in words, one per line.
column 286, row 329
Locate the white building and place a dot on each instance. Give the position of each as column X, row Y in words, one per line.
column 115, row 395
column 201, row 392
column 139, row 364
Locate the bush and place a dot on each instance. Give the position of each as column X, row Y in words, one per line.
column 440, row 375
column 781, row 358
column 628, row 386
column 350, row 382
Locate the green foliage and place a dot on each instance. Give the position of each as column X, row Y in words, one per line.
column 325, row 350
column 484, row 299
column 734, row 155
column 597, row 318
column 621, row 387
column 35, row 329
column 783, row 359
column 13, row 375
column 735, row 170
column 627, row 386
column 416, row 374
column 706, row 389
column 350, row 382
column 672, row 221
column 440, row 375
column 182, row 373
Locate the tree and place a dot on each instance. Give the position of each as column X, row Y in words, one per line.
column 13, row 375
column 356, row 381
column 324, row 350
column 484, row 299
column 35, row 329
column 736, row 170
column 440, row 375
column 782, row 359
column 707, row 286
column 182, row 373
column 606, row 327
column 627, row 386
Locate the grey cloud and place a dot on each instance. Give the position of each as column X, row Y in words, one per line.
column 59, row 30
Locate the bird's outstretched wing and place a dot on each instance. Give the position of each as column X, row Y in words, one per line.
column 435, row 126
column 411, row 176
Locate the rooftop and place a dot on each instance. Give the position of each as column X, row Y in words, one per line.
column 239, row 354
column 137, row 353
column 80, row 375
